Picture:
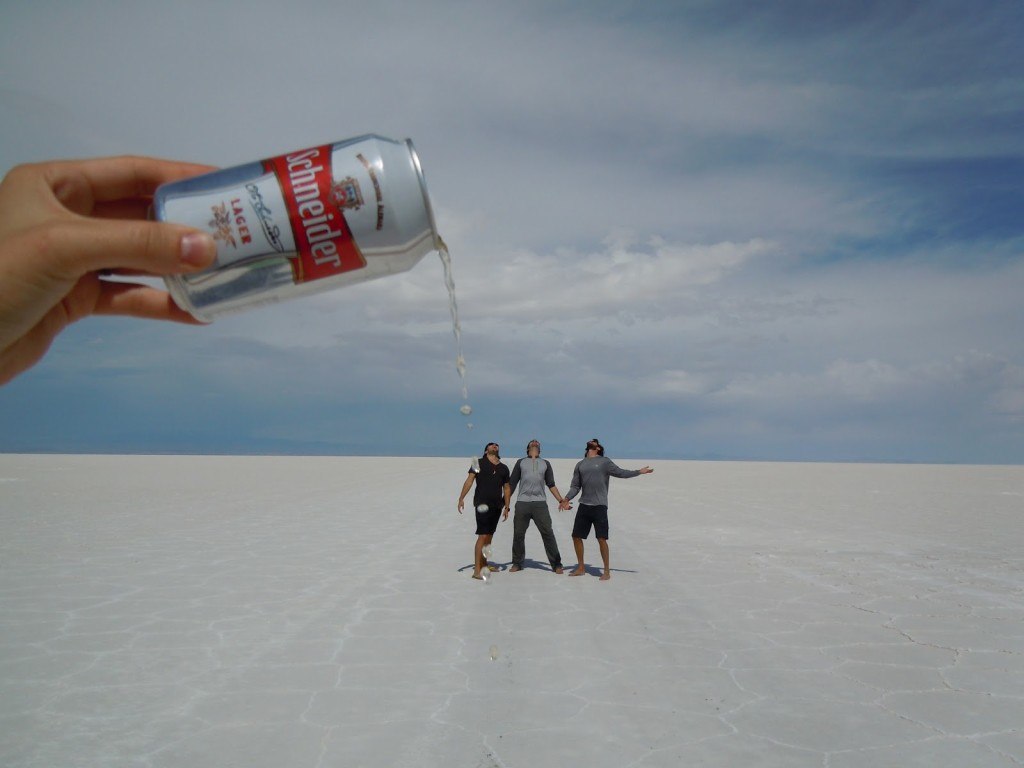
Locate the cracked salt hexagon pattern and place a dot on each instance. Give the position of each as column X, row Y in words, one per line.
column 210, row 611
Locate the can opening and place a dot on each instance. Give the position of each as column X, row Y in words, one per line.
column 438, row 242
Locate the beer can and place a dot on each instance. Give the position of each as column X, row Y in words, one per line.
column 302, row 223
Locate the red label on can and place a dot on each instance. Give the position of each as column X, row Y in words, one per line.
column 315, row 203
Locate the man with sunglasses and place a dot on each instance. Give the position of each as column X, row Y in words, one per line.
column 491, row 498
column 591, row 477
column 532, row 475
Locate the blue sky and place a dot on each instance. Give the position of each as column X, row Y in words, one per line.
column 786, row 231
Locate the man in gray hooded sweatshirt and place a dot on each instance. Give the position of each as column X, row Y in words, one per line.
column 532, row 475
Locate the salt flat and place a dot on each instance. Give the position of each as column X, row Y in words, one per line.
column 262, row 611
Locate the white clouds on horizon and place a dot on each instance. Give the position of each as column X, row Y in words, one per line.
column 667, row 321
column 729, row 331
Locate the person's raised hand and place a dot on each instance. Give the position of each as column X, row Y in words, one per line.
column 64, row 226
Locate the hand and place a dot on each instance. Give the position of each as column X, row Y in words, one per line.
column 645, row 470
column 564, row 505
column 63, row 225
column 505, row 513
column 461, row 505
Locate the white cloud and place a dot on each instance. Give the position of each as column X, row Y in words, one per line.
column 866, row 381
column 654, row 280
column 674, row 383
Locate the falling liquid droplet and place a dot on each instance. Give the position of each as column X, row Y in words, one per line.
column 466, row 410
column 482, row 508
column 486, row 552
column 494, row 653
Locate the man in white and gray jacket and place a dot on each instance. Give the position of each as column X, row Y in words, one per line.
column 532, row 475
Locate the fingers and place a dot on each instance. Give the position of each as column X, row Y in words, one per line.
column 137, row 208
column 70, row 249
column 139, row 301
column 90, row 296
column 80, row 184
column 95, row 296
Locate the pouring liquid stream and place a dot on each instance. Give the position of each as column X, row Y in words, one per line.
column 460, row 361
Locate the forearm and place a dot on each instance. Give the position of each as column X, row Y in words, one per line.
column 556, row 493
column 616, row 471
column 513, row 481
column 465, row 488
column 574, row 487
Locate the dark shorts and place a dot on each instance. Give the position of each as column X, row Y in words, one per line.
column 487, row 522
column 587, row 516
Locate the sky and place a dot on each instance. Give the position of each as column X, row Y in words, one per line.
column 784, row 231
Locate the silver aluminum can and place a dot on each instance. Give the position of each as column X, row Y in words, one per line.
column 302, row 223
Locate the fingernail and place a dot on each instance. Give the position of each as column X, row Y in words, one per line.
column 197, row 249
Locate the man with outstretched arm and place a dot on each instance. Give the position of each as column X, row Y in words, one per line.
column 591, row 477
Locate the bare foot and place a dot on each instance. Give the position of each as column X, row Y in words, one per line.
column 559, row 570
column 478, row 576
column 515, row 568
column 578, row 572
column 605, row 576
